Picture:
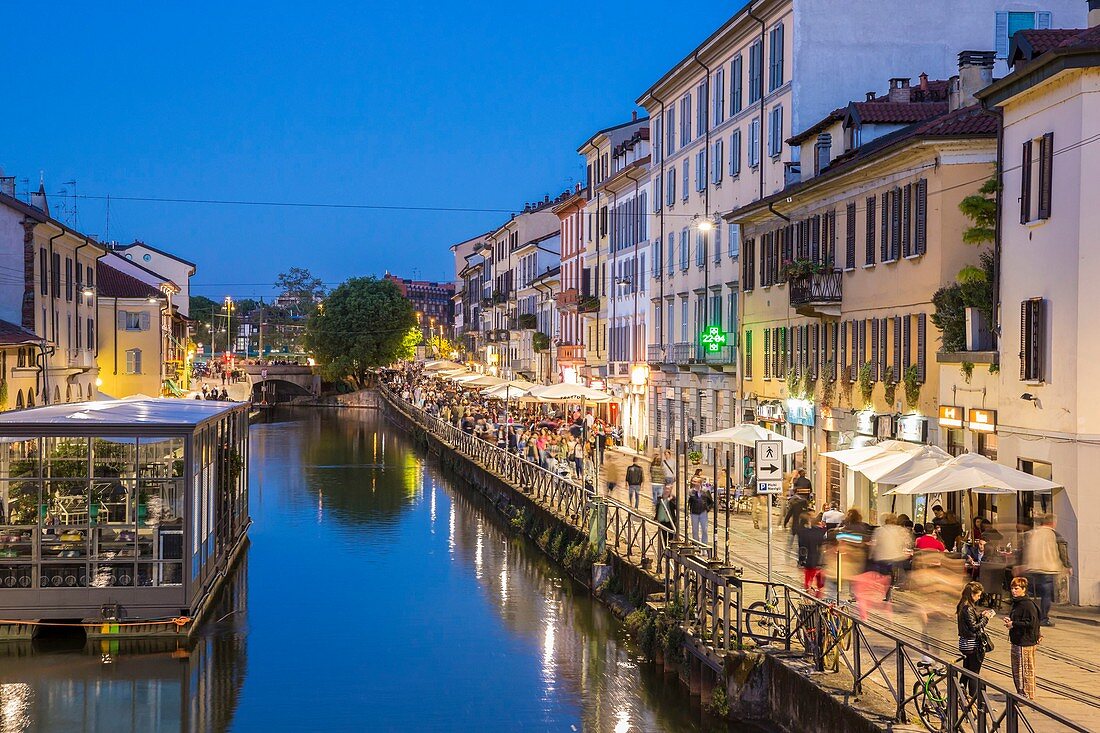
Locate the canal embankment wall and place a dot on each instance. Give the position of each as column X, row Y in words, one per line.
column 775, row 689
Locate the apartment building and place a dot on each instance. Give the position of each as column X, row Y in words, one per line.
column 547, row 287
column 504, row 251
column 838, row 273
column 721, row 117
column 131, row 335
column 171, row 266
column 530, row 336
column 464, row 317
column 1048, row 418
column 577, row 293
column 47, row 306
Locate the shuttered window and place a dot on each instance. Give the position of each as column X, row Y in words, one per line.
column 735, row 154
column 922, row 337
column 775, row 67
column 1046, row 169
column 736, row 87
column 883, row 352
column 747, row 366
column 815, row 364
column 874, row 350
column 843, row 361
column 767, row 353
column 896, row 368
column 895, row 223
column 870, row 243
column 748, row 265
column 717, row 169
column 133, row 361
column 920, row 236
column 1025, row 183
column 907, row 220
column 1032, row 336
column 906, row 342
column 756, row 72
column 884, row 232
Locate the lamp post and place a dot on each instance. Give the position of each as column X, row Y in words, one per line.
column 229, row 325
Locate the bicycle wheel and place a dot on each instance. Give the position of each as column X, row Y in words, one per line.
column 931, row 711
column 759, row 623
column 841, row 628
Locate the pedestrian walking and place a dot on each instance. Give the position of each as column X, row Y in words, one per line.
column 700, row 500
column 973, row 641
column 811, row 540
column 889, row 551
column 1023, row 634
column 612, row 475
column 634, row 478
column 656, row 478
column 802, row 486
column 1046, row 557
column 796, row 506
column 578, row 458
column 666, row 508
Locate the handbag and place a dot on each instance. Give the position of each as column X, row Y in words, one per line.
column 987, row 643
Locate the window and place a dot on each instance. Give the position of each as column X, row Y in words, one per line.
column 685, row 119
column 734, row 241
column 1007, row 23
column 756, row 78
column 719, row 97
column 657, row 185
column 658, row 141
column 1032, row 322
column 700, row 249
column 1035, row 191
column 657, row 258
column 687, row 178
column 735, row 85
column 684, row 249
column 133, row 361
column 683, row 320
column 670, row 184
column 701, row 108
column 133, row 321
column 731, row 311
column 735, row 154
column 850, row 237
column 775, row 56
column 775, row 131
column 671, row 253
column 670, row 130
column 748, row 265
column 870, row 240
column 69, row 279
column 700, row 170
column 754, row 143
column 91, row 333
column 717, row 167
column 747, row 358
column 43, row 277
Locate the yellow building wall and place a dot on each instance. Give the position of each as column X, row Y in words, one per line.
column 115, row 341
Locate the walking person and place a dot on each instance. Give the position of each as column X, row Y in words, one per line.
column 796, row 506
column 811, row 540
column 634, row 478
column 1046, row 557
column 972, row 634
column 656, row 478
column 578, row 458
column 612, row 474
column 666, row 507
column 699, row 503
column 1023, row 634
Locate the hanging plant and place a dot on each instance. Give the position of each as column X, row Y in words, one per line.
column 809, row 384
column 912, row 385
column 846, row 391
column 866, row 386
column 828, row 382
column 890, row 388
column 540, row 341
column 3, row 394
column 968, row 371
column 792, row 384
column 994, row 368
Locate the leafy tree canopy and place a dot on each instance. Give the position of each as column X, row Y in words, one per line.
column 305, row 289
column 365, row 323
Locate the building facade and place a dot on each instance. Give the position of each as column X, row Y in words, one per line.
column 131, row 335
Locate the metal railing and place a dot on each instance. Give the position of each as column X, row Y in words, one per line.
column 682, row 353
column 631, row 535
column 825, row 287
column 720, row 610
column 656, row 353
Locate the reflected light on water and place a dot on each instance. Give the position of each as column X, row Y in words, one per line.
column 549, row 663
column 15, row 703
column 431, row 517
column 504, row 578
column 451, row 531
column 622, row 724
column 479, row 554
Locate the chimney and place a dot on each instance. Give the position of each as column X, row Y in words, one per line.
column 975, row 73
column 899, row 90
column 1094, row 13
column 923, row 82
column 822, row 152
column 870, row 96
column 38, row 199
column 634, row 116
column 7, row 185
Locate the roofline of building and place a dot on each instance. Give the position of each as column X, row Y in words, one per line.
column 1046, row 66
column 43, row 218
column 829, row 176
column 159, row 251
column 591, row 141
column 162, row 278
column 740, row 18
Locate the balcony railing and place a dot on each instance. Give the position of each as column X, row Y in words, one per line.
column 571, row 352
column 817, row 288
column 724, row 355
column 568, row 299
column 656, row 353
column 682, row 353
column 588, row 304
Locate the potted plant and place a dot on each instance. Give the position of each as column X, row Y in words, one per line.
column 696, row 457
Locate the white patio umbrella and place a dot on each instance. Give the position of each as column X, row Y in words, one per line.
column 853, row 456
column 509, row 390
column 442, row 365
column 973, row 471
column 569, row 393
column 747, row 434
column 482, row 380
column 461, row 377
column 901, row 465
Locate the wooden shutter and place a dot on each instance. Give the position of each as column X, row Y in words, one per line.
column 850, row 237
column 869, row 245
column 843, row 361
column 767, row 353
column 920, row 243
column 816, row 365
column 120, row 320
column 895, row 223
column 748, row 275
column 1025, row 184
column 815, row 238
column 777, row 370
column 832, row 350
column 1046, row 169
column 1032, row 321
column 874, row 350
column 748, row 354
column 907, row 220
column 144, row 320
column 896, row 368
column 921, row 345
column 862, row 343
column 884, row 233
column 906, row 342
column 830, row 241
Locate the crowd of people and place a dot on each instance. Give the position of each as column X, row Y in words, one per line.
column 953, row 571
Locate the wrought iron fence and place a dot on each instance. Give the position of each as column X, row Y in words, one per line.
column 825, row 287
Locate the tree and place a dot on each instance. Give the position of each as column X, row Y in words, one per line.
column 365, row 323
column 201, row 310
column 302, row 288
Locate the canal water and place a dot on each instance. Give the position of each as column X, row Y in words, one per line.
column 373, row 596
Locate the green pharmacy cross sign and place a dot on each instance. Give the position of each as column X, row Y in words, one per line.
column 713, row 339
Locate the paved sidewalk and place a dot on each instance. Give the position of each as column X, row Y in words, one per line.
column 1067, row 660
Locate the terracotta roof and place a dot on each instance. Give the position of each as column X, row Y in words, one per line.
column 964, row 121
column 895, row 112
column 1029, row 44
column 11, row 334
column 835, row 116
column 1043, row 41
column 117, row 284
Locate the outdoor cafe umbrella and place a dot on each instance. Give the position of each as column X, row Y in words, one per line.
column 747, row 434
column 509, row 390
column 976, row 472
column 482, row 380
column 852, row 457
column 569, row 393
column 896, row 466
column 442, row 365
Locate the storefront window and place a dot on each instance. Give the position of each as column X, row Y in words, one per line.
column 1033, row 504
column 987, row 445
column 955, row 442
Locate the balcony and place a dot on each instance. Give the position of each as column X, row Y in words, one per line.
column 725, row 356
column 588, row 304
column 571, row 352
column 682, row 353
column 818, row 295
column 568, row 300
column 656, row 354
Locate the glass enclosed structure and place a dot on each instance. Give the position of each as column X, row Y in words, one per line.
column 132, row 506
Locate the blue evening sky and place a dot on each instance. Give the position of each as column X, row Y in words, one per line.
column 439, row 104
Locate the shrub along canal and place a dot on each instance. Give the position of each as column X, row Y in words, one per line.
column 374, row 596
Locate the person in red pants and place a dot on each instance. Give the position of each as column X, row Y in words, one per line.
column 811, row 538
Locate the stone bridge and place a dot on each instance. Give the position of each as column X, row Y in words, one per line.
column 282, row 382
